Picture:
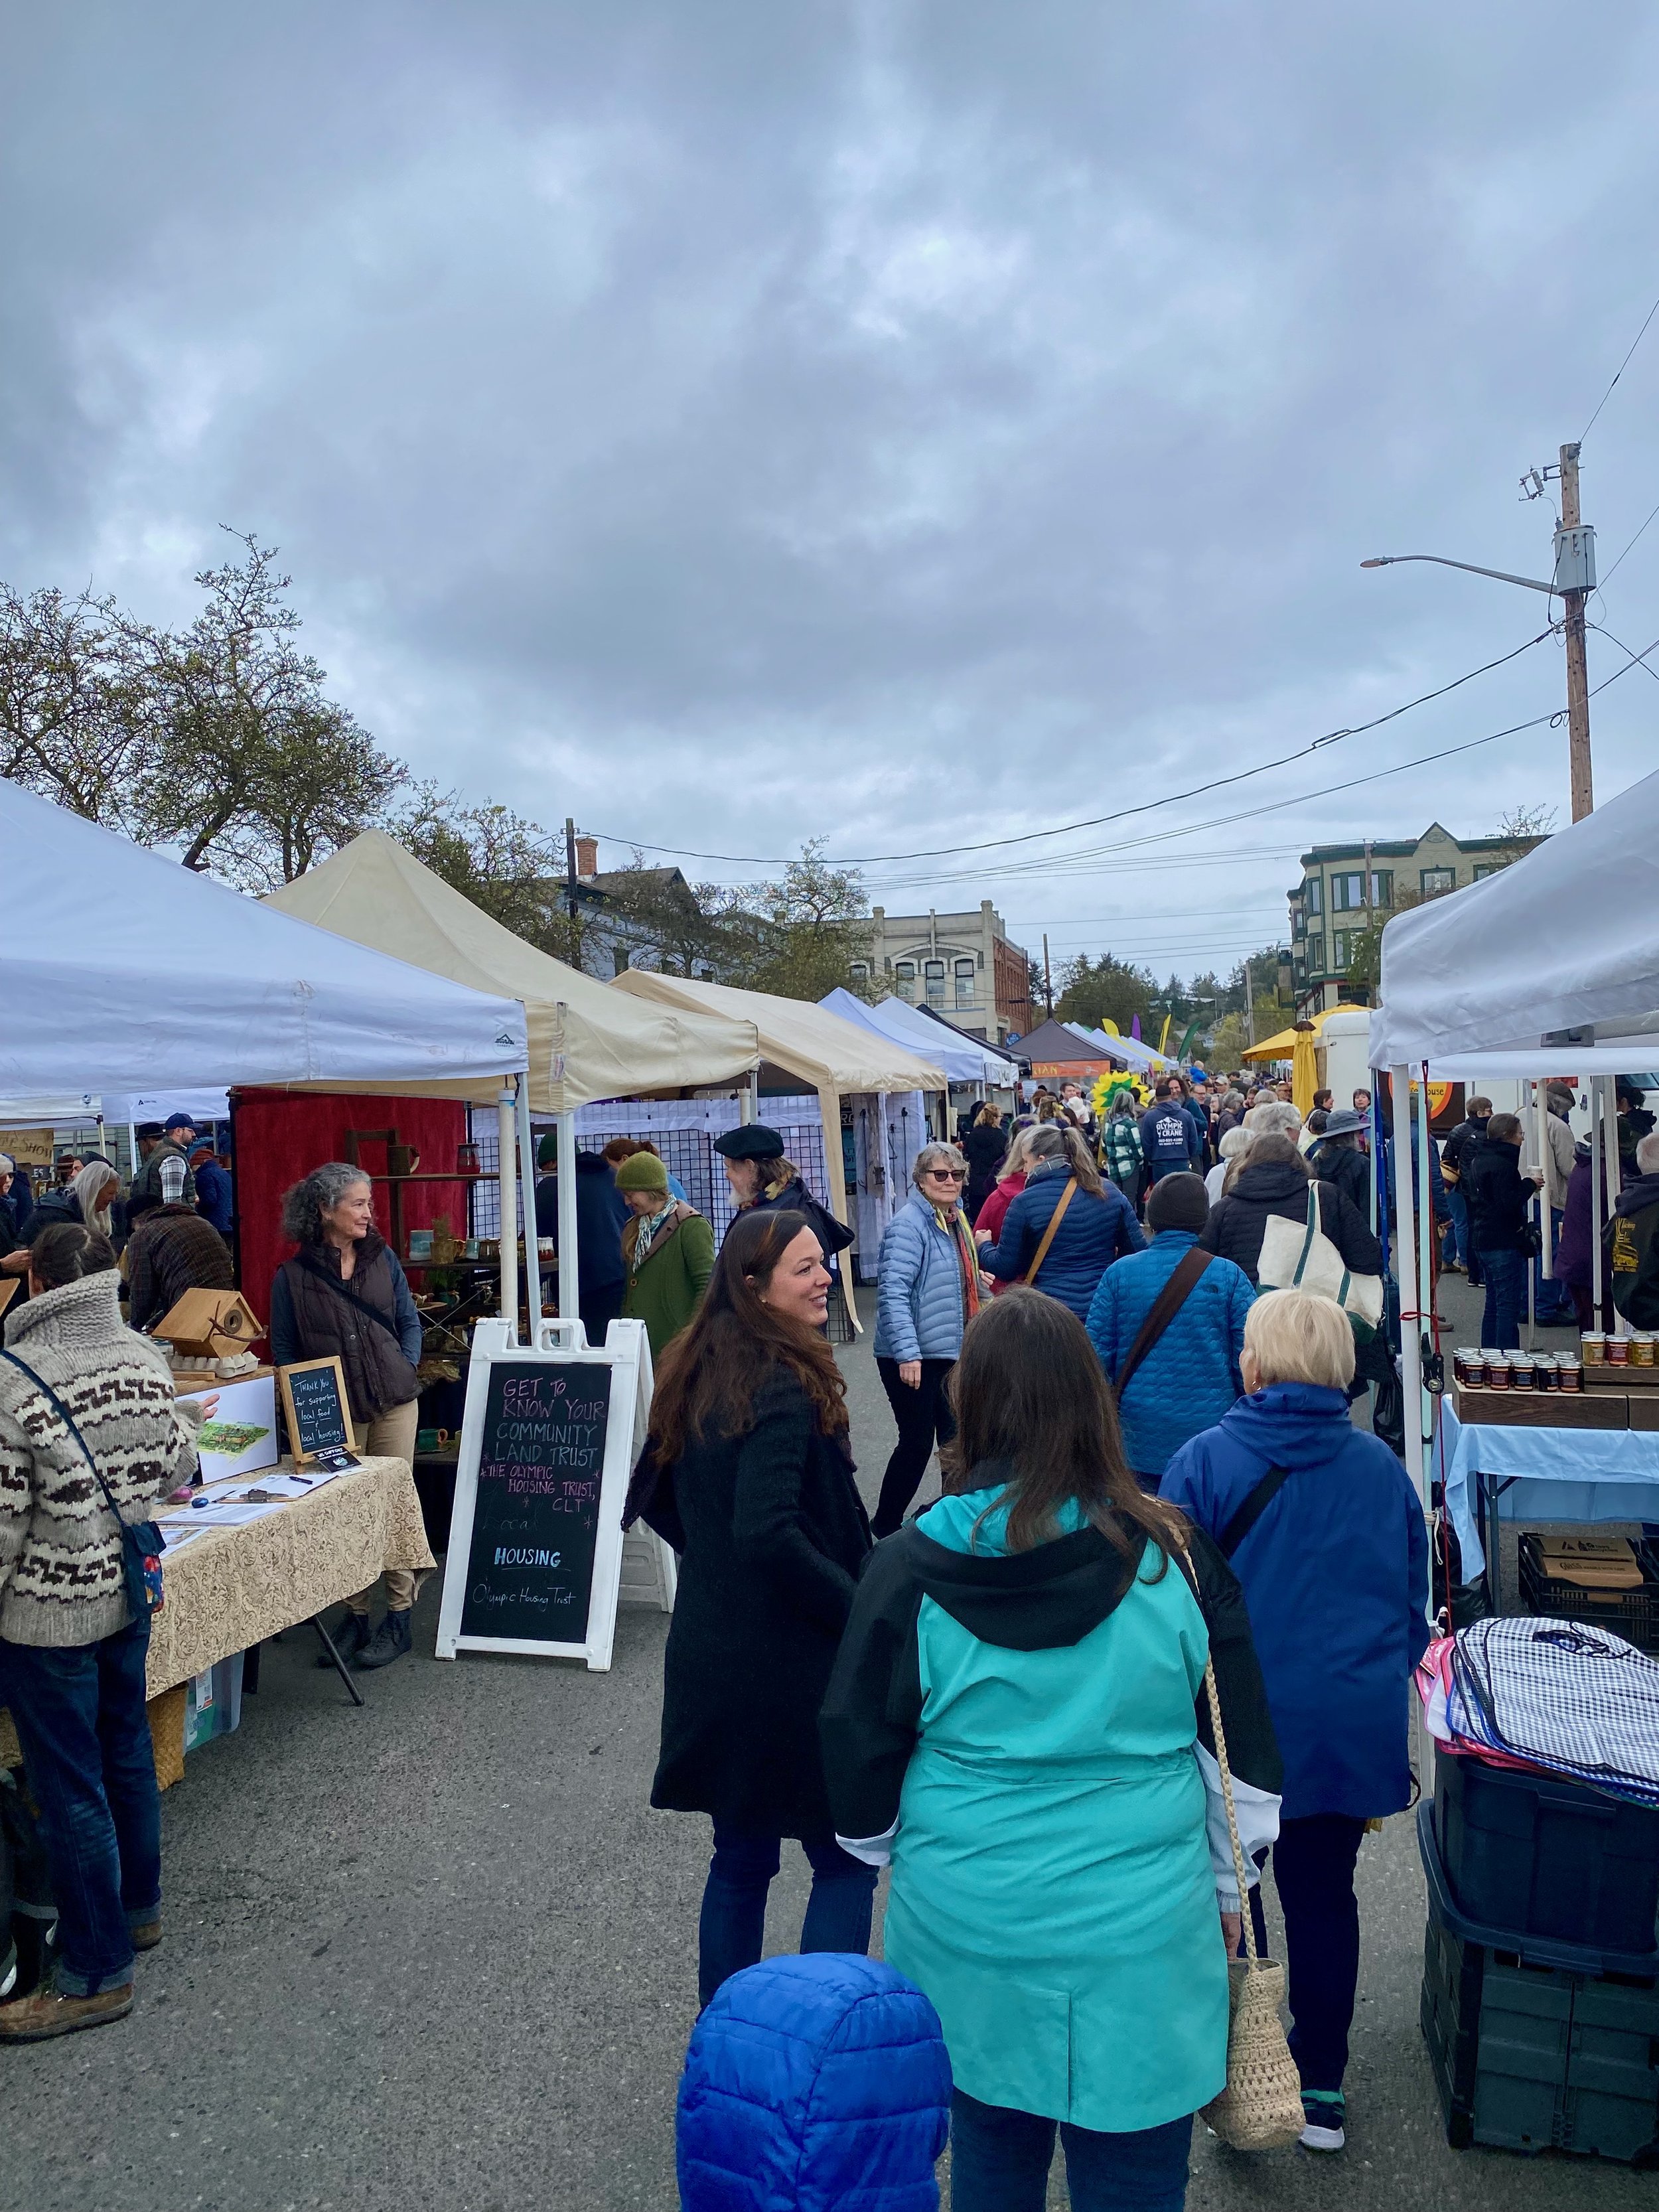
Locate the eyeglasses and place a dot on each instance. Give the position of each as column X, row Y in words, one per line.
column 948, row 1175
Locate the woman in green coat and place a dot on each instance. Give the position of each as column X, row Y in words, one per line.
column 1017, row 1724
column 668, row 1249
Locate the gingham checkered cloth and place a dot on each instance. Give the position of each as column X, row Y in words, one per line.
column 1570, row 1699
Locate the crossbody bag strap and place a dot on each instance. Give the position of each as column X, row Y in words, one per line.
column 1315, row 1228
column 1223, row 1762
column 1164, row 1307
column 1054, row 1219
column 1259, row 1498
column 68, row 1419
column 357, row 1305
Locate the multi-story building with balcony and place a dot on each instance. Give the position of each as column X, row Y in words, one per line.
column 1347, row 890
column 962, row 965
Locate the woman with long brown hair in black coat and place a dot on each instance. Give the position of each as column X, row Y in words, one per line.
column 748, row 1475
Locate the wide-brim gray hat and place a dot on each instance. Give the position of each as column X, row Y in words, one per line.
column 1346, row 1122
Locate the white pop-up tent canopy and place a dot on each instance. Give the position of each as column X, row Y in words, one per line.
column 1549, row 967
column 962, row 1060
column 835, row 1058
column 125, row 972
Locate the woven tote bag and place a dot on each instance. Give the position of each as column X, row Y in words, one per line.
column 1260, row 2107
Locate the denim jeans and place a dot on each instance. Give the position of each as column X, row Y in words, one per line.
column 999, row 2162
column 1504, row 1274
column 732, row 1927
column 1457, row 1246
column 80, row 1718
column 1553, row 1300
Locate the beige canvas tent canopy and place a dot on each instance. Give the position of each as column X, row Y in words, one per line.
column 586, row 1042
column 835, row 1058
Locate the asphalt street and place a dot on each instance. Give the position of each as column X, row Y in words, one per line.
column 441, row 1953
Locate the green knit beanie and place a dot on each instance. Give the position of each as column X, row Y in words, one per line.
column 642, row 1171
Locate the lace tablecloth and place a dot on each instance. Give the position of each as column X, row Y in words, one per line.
column 230, row 1587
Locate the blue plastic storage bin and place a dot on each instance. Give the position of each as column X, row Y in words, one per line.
column 213, row 1703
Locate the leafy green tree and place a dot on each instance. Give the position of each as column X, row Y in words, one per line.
column 1104, row 990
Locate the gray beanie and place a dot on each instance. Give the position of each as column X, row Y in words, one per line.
column 1178, row 1201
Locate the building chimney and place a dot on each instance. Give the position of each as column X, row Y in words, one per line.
column 587, row 857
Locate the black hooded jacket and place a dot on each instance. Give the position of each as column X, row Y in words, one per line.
column 1052, row 1596
column 1238, row 1221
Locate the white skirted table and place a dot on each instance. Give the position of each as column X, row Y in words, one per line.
column 229, row 1589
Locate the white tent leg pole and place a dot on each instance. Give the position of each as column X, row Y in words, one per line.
column 1427, row 1227
column 569, row 1292
column 1411, row 1320
column 1595, row 1200
column 1536, row 1138
column 749, row 1099
column 1615, row 1173
column 506, row 1107
column 533, row 1272
column 1545, row 1216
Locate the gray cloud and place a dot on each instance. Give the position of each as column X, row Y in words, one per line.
column 903, row 423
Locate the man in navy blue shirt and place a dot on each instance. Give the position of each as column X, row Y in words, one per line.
column 1169, row 1141
column 212, row 1188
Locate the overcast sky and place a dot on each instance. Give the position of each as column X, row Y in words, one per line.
column 737, row 422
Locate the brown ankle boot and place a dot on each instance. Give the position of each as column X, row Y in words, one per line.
column 46, row 2012
column 147, row 1935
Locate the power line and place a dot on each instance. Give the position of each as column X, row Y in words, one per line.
column 1618, row 371
column 1099, row 821
column 1080, row 862
column 1608, row 577
column 1633, row 659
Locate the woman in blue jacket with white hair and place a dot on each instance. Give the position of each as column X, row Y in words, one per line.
column 928, row 1288
column 1322, row 1527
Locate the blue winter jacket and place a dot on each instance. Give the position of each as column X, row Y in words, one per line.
column 812, row 2084
column 1336, row 1578
column 1094, row 1232
column 1190, row 1376
column 1170, row 1140
column 918, row 1287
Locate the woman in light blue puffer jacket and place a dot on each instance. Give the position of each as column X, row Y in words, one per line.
column 929, row 1287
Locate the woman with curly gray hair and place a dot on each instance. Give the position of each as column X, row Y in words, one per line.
column 344, row 1295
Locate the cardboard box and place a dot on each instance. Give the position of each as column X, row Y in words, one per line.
column 209, row 1324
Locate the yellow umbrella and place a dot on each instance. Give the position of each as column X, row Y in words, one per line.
column 1305, row 1070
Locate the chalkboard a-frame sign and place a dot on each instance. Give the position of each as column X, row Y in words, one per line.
column 316, row 1408
column 548, row 1442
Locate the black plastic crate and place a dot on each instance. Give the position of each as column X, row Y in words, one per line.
column 1533, row 1855
column 1530, row 2058
column 1633, row 1614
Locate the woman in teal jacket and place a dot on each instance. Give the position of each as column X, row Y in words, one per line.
column 1016, row 1721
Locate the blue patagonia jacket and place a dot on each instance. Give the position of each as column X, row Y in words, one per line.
column 919, row 1287
column 1190, row 1376
column 1170, row 1140
column 812, row 2084
column 1095, row 1232
column 1336, row 1578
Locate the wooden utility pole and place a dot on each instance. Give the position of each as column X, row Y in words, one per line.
column 1578, row 742
column 1048, row 980
column 1249, row 1006
column 570, row 866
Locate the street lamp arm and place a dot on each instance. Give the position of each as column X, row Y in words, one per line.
column 1387, row 561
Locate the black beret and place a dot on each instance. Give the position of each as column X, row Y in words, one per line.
column 754, row 1141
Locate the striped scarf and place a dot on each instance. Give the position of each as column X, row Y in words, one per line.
column 954, row 1222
